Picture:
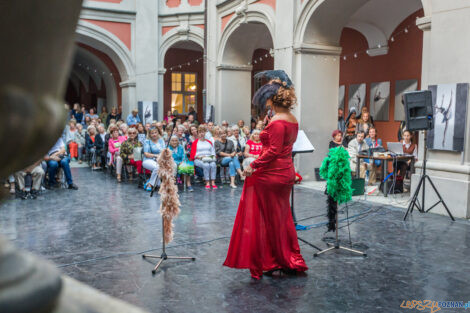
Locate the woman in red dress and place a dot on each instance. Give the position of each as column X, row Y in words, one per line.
column 264, row 236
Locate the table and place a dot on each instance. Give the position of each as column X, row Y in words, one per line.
column 385, row 159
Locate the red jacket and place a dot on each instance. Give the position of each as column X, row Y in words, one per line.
column 192, row 154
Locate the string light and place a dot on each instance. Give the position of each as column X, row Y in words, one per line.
column 404, row 30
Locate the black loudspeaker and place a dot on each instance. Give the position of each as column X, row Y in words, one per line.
column 419, row 110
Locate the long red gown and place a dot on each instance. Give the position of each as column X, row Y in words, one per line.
column 264, row 236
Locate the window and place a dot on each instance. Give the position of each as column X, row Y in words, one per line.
column 183, row 92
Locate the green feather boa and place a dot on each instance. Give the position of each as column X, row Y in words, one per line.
column 337, row 172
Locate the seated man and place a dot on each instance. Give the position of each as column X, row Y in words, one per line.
column 57, row 157
column 37, row 174
column 354, row 146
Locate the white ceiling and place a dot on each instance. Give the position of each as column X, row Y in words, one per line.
column 377, row 19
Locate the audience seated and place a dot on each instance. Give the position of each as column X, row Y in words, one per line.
column 179, row 156
column 337, row 139
column 37, row 175
column 130, row 153
column 364, row 123
column 70, row 131
column 252, row 148
column 114, row 146
column 93, row 144
column 133, row 118
column 55, row 158
column 238, row 141
column 354, row 147
column 152, row 148
column 203, row 155
column 227, row 156
column 408, row 148
column 79, row 138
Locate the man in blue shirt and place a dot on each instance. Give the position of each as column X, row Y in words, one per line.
column 133, row 118
column 55, row 158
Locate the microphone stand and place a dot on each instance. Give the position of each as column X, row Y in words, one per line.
column 164, row 256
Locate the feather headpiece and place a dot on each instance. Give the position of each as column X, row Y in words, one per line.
column 277, row 79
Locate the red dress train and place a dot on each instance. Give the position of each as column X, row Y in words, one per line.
column 264, row 236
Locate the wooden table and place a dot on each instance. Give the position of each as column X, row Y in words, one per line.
column 385, row 159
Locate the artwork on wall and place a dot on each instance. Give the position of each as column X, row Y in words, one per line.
column 148, row 111
column 402, row 86
column 379, row 101
column 357, row 96
column 341, row 93
column 450, row 111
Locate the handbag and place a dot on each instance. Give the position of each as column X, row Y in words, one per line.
column 207, row 159
column 186, row 167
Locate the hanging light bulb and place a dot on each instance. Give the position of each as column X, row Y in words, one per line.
column 180, row 66
column 392, row 39
column 406, row 30
column 261, row 59
column 266, row 55
column 355, row 55
column 255, row 61
column 344, row 58
column 189, row 63
column 379, row 46
column 110, row 74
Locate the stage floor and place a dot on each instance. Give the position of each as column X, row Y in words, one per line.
column 95, row 235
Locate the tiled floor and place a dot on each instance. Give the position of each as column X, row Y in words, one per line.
column 95, row 235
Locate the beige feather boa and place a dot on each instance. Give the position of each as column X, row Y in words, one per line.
column 170, row 203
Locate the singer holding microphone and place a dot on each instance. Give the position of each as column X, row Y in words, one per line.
column 264, row 239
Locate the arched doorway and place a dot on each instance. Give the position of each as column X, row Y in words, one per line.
column 102, row 72
column 244, row 51
column 355, row 44
column 183, row 80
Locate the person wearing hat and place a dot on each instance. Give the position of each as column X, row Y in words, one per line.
column 133, row 118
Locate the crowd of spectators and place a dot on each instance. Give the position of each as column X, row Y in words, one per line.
column 358, row 133
column 129, row 149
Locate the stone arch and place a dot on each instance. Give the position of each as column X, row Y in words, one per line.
column 252, row 16
column 103, row 40
column 178, row 34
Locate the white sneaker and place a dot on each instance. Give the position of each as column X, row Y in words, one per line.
column 233, row 186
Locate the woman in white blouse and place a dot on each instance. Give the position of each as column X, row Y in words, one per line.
column 203, row 155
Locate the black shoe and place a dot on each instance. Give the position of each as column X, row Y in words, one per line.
column 73, row 186
column 23, row 195
column 33, row 194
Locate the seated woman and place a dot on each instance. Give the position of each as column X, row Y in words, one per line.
column 152, row 148
column 203, row 155
column 373, row 142
column 227, row 156
column 93, row 143
column 126, row 154
column 114, row 146
column 252, row 148
column 178, row 157
column 79, row 138
column 337, row 139
column 142, row 133
column 408, row 148
column 69, row 140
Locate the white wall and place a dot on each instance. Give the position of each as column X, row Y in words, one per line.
column 146, row 53
column 318, row 97
column 235, row 95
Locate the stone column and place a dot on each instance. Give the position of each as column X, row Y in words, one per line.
column 234, row 101
column 128, row 97
column 146, row 51
column 161, row 94
column 317, row 80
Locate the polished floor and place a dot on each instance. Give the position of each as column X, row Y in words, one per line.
column 95, row 235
